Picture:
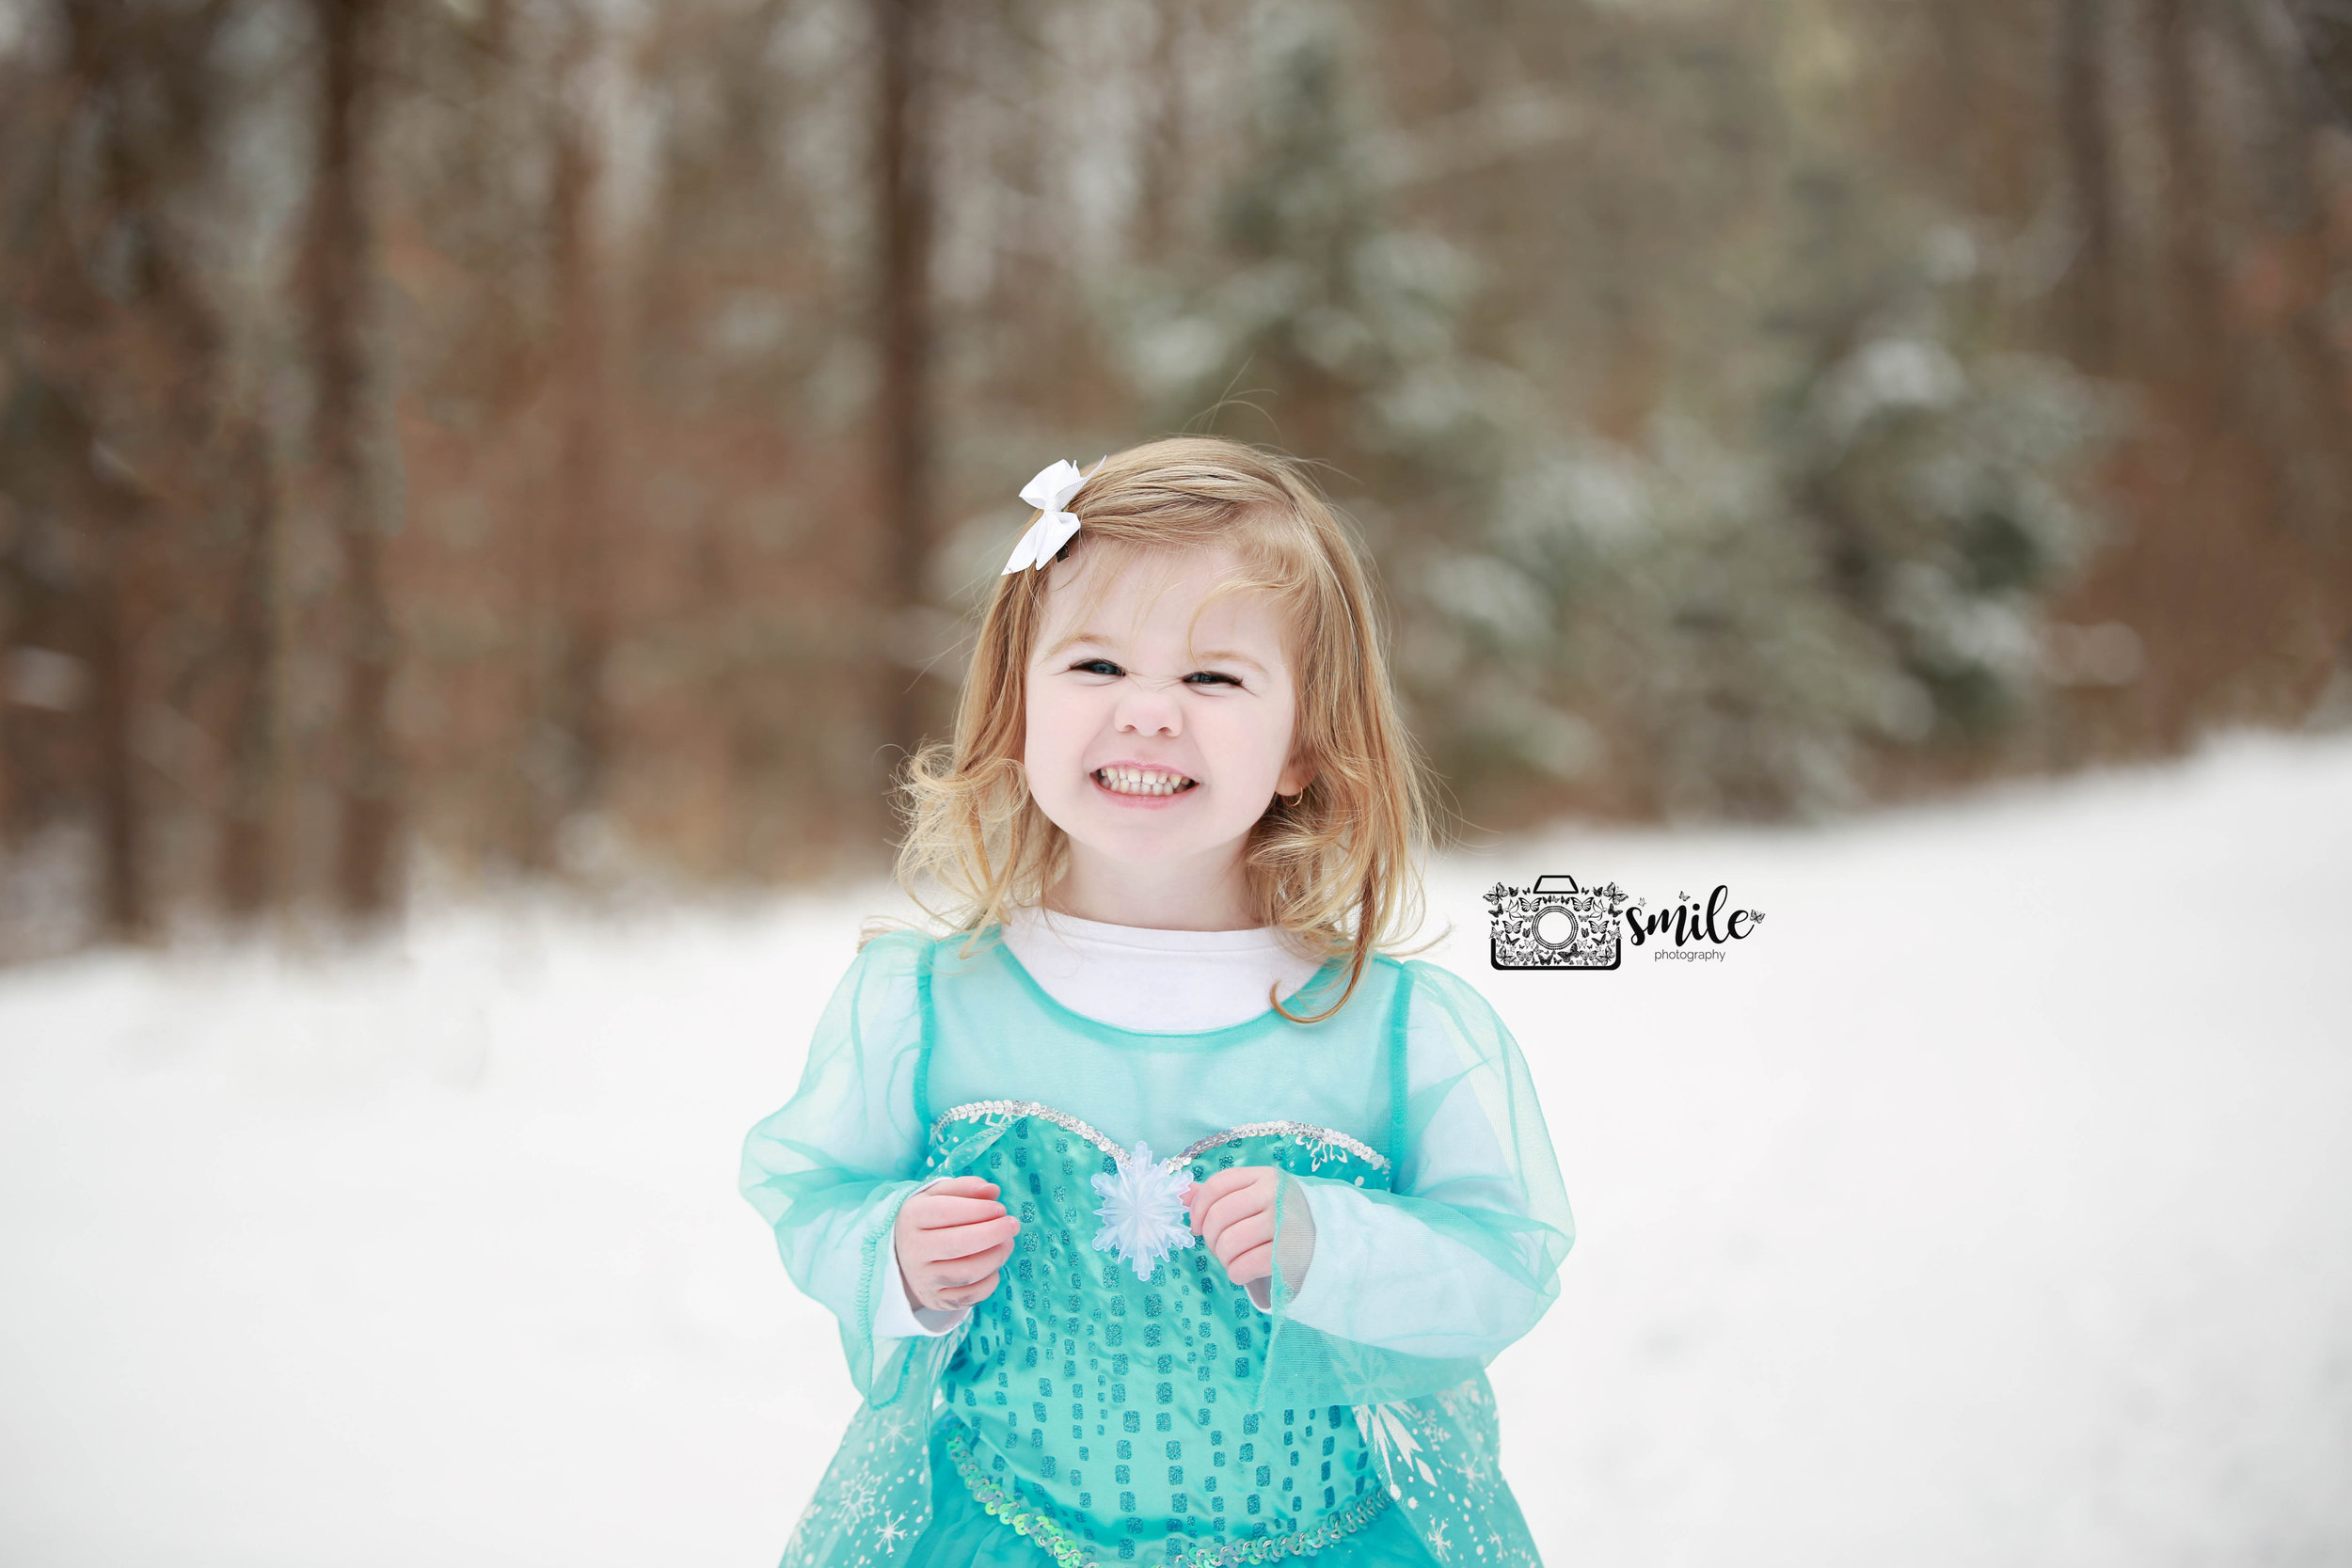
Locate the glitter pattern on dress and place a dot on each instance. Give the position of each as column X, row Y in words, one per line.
column 1113, row 1408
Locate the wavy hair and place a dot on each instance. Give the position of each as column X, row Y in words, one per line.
column 1335, row 867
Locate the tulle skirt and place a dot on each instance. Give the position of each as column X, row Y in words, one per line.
column 963, row 1535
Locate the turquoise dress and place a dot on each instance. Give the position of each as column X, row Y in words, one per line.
column 1117, row 1398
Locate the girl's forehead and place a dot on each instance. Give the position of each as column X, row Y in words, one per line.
column 1131, row 593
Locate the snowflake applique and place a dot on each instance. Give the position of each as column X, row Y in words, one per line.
column 859, row 1496
column 1143, row 1211
column 1474, row 1469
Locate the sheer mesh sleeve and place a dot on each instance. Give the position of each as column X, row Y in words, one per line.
column 1415, row 1290
column 828, row 1171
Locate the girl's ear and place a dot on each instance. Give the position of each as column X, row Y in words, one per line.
column 1295, row 777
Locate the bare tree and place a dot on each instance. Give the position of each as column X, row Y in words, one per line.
column 2324, row 32
column 117, row 418
column 2193, row 282
column 251, row 876
column 572, row 576
column 1159, row 174
column 2085, row 130
column 348, row 447
column 905, row 199
column 2299, row 55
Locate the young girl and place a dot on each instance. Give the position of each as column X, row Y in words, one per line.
column 1167, row 1221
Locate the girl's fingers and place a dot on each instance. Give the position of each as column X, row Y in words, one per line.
column 1243, row 1236
column 1255, row 1199
column 931, row 1211
column 1256, row 1263
column 963, row 1270
column 1205, row 1196
column 961, row 1186
column 957, row 1281
column 964, row 1295
column 958, row 1240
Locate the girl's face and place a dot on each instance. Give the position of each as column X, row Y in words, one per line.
column 1156, row 739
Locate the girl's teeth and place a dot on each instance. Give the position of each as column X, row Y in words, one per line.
column 1128, row 781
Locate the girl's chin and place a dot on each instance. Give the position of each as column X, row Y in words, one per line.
column 1146, row 837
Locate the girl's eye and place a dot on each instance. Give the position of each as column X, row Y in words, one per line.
column 1199, row 677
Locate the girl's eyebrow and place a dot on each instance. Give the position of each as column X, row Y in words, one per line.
column 1075, row 639
column 1224, row 656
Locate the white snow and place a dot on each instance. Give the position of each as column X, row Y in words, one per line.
column 1990, row 1205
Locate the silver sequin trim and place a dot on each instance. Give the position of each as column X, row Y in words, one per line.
column 1063, row 1119
column 1321, row 1141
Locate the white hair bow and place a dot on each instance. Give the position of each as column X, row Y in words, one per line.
column 1050, row 493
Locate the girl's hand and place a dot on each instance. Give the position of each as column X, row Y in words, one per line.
column 953, row 1237
column 1233, row 1212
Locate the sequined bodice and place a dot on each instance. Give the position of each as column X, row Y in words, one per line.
column 1104, row 1395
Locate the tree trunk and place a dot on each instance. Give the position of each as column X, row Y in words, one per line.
column 251, row 835
column 581, row 634
column 904, row 405
column 342, row 259
column 2084, row 129
column 116, row 606
column 2193, row 283
column 2324, row 32
column 1161, row 158
column 2307, row 430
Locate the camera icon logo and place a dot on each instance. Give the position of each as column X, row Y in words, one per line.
column 1556, row 925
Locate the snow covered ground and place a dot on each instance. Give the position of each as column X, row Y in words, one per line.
column 1992, row 1204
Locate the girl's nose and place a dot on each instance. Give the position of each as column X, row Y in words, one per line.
column 1143, row 710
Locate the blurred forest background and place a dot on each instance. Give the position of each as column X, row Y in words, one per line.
column 495, row 438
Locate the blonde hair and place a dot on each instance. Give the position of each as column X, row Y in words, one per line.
column 1335, row 867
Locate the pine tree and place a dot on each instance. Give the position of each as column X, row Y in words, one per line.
column 1322, row 326
column 1723, row 619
